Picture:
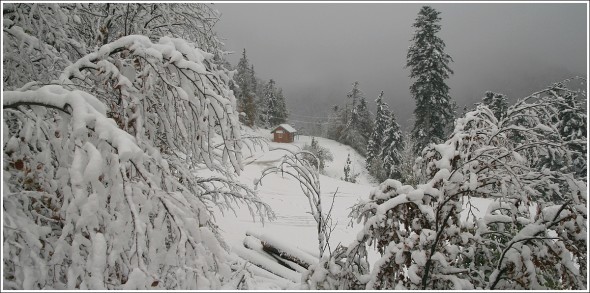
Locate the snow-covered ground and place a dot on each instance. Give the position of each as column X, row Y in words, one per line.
column 294, row 224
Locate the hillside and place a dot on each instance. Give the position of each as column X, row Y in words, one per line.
column 294, row 225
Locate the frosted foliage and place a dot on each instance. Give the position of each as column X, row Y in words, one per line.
column 108, row 176
column 40, row 39
column 532, row 236
column 353, row 122
column 429, row 67
column 381, row 124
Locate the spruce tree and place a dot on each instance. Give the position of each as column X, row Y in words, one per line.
column 250, row 98
column 429, row 66
column 336, row 123
column 498, row 103
column 353, row 95
column 356, row 120
column 260, row 103
column 269, row 104
column 381, row 124
column 281, row 114
column 364, row 125
column 391, row 154
column 242, row 79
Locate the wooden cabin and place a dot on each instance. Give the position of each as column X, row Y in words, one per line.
column 284, row 133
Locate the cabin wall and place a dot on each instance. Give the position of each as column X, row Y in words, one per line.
column 284, row 137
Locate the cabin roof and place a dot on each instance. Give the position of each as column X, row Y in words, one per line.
column 286, row 127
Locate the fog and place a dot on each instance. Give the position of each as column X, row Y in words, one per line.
column 316, row 51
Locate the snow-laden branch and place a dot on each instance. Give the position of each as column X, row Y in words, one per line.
column 534, row 224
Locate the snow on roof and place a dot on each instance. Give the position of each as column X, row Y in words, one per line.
column 287, row 127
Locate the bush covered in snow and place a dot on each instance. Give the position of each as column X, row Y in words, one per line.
column 532, row 236
column 321, row 155
column 116, row 148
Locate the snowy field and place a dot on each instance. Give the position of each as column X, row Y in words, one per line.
column 294, row 224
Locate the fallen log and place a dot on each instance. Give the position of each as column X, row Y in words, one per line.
column 276, row 248
column 264, row 263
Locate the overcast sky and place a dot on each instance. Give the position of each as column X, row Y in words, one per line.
column 316, row 51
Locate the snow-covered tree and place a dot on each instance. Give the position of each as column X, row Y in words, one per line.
column 407, row 158
column 391, row 149
column 356, row 120
column 380, row 126
column 349, row 175
column 571, row 122
column 42, row 39
column 294, row 165
column 273, row 106
column 498, row 103
column 362, row 116
column 321, row 155
column 336, row 123
column 429, row 66
column 532, row 235
column 246, row 90
column 268, row 104
column 114, row 162
column 281, row 112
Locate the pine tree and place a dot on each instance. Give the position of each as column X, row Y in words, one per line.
column 429, row 65
column 269, row 104
column 391, row 154
column 336, row 123
column 356, row 119
column 353, row 95
column 280, row 113
column 348, row 175
column 261, row 103
column 381, row 124
column 363, row 116
column 243, row 82
column 322, row 154
column 250, row 108
column 498, row 103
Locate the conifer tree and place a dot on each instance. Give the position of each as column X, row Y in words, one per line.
column 348, row 175
column 363, row 116
column 354, row 94
column 279, row 113
column 496, row 102
column 269, row 103
column 356, row 120
column 243, row 80
column 381, row 124
column 336, row 123
column 391, row 154
column 250, row 108
column 261, row 103
column 429, row 66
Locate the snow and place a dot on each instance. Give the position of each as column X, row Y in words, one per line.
column 285, row 246
column 294, row 228
column 294, row 225
column 262, row 261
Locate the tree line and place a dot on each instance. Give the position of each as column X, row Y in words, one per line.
column 262, row 103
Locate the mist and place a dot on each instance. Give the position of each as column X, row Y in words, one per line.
column 316, row 51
